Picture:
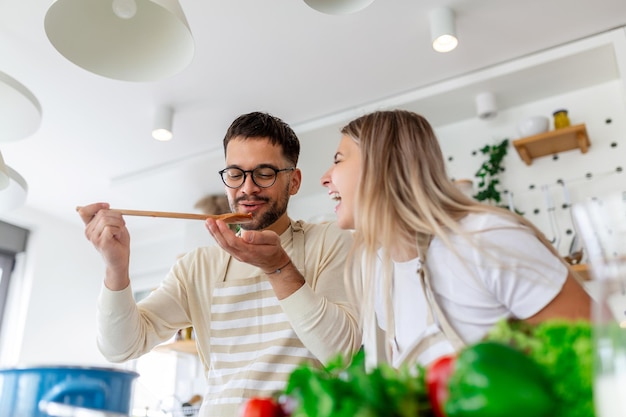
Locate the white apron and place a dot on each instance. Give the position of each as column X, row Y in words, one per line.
column 439, row 329
column 439, row 336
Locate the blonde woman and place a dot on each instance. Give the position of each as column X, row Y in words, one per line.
column 434, row 269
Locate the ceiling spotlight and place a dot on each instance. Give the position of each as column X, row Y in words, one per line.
column 130, row 40
column 163, row 124
column 20, row 112
column 486, row 106
column 338, row 6
column 443, row 29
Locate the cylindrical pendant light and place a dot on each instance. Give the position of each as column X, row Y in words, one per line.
column 163, row 122
column 443, row 29
column 338, row 6
column 130, row 40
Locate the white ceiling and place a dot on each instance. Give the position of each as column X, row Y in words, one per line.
column 278, row 56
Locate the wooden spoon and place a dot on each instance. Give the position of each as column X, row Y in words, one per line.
column 229, row 218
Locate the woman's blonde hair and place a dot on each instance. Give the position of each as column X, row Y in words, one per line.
column 404, row 189
column 405, row 196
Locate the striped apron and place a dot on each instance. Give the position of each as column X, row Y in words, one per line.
column 253, row 346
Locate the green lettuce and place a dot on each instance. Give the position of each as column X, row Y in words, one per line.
column 348, row 390
column 565, row 350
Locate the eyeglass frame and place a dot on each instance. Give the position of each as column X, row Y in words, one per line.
column 251, row 172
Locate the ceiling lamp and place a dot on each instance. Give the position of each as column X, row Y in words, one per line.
column 20, row 112
column 20, row 117
column 338, row 6
column 163, row 124
column 443, row 29
column 14, row 193
column 130, row 40
column 486, row 106
column 4, row 174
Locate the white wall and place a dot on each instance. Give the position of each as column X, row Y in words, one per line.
column 593, row 107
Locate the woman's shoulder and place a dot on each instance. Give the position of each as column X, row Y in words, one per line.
column 488, row 220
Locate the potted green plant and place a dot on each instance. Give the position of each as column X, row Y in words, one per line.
column 489, row 173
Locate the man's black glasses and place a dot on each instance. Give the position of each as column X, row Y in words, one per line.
column 263, row 177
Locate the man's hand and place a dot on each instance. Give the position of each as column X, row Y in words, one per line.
column 107, row 231
column 258, row 248
column 261, row 249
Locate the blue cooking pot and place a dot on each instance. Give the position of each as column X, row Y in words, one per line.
column 66, row 391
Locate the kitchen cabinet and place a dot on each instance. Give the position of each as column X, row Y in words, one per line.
column 552, row 142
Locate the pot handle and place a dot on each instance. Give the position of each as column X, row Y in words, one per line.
column 95, row 388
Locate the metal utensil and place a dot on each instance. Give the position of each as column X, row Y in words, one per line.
column 556, row 239
column 575, row 247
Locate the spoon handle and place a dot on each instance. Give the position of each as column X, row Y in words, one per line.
column 230, row 218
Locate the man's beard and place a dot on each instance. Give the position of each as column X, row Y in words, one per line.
column 269, row 217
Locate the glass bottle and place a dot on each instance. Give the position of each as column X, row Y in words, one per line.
column 601, row 222
column 561, row 119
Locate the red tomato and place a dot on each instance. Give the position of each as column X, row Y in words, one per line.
column 437, row 375
column 261, row 407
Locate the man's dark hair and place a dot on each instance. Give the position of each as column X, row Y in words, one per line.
column 262, row 125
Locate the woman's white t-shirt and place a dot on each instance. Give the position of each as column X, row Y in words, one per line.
column 509, row 273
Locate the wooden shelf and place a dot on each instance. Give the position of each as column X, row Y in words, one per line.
column 182, row 346
column 552, row 142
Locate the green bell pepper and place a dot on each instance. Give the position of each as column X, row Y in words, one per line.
column 491, row 379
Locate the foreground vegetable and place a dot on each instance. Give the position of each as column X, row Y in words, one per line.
column 262, row 407
column 565, row 350
column 437, row 378
column 492, row 379
column 351, row 391
column 519, row 371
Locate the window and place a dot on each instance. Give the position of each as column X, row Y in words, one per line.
column 7, row 261
column 12, row 241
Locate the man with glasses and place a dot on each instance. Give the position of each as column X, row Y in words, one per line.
column 261, row 302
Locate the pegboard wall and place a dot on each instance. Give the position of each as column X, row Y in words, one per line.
column 545, row 190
